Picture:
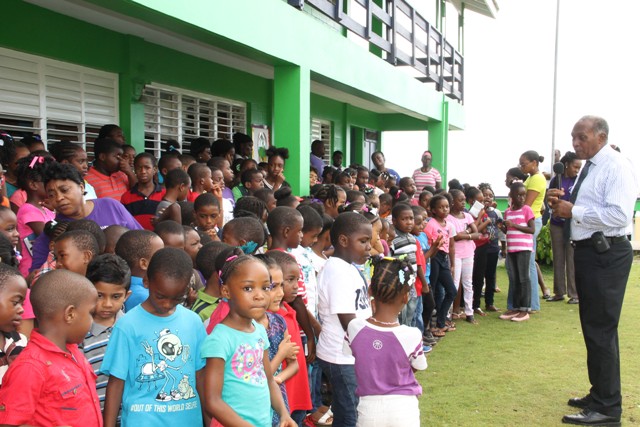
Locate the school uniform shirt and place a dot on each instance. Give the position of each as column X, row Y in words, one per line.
column 113, row 186
column 14, row 343
column 341, row 290
column 246, row 389
column 157, row 358
column 518, row 241
column 398, row 349
column 141, row 207
column 47, row 386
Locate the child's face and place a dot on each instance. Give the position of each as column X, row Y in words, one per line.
column 310, row 237
column 362, row 179
column 419, row 225
column 376, row 229
column 424, row 201
column 183, row 191
column 384, row 208
column 441, row 209
column 206, row 181
column 358, row 243
column 111, row 161
column 12, row 295
column 111, row 298
column 218, row 178
column 313, row 178
column 291, row 275
column 277, row 288
column 227, row 172
column 248, row 290
column 128, row 155
column 83, row 318
column 8, row 227
column 404, row 222
column 186, row 164
column 487, row 195
column 333, row 209
column 255, row 183
column 165, row 293
column 271, row 202
column 69, row 257
column 173, row 163
column 192, row 244
column 293, row 233
column 21, row 152
column 171, row 240
column 409, row 187
column 518, row 197
column 80, row 161
column 346, row 182
column 144, row 170
column 205, row 217
column 458, row 203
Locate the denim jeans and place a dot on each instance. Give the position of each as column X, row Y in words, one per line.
column 519, row 280
column 442, row 281
column 417, row 318
column 344, row 404
column 315, row 383
column 533, row 274
column 408, row 312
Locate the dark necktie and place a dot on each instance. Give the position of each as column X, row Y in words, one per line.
column 566, row 231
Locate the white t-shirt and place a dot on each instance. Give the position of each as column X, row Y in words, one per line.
column 303, row 258
column 341, row 290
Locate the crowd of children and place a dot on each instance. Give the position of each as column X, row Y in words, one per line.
column 207, row 293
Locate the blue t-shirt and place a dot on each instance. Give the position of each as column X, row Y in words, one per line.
column 246, row 389
column 139, row 293
column 157, row 358
column 424, row 245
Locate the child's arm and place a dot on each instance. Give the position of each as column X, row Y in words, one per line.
column 36, row 226
column 276, row 396
column 200, row 389
column 217, row 192
column 345, row 318
column 423, row 279
column 113, row 399
column 483, row 225
column 452, row 254
column 302, row 316
column 530, row 228
column 434, row 248
column 286, row 350
column 291, row 369
column 214, row 405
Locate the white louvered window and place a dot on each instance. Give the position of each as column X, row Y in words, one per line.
column 321, row 129
column 54, row 99
column 182, row 116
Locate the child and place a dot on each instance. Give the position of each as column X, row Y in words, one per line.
column 311, row 228
column 466, row 234
column 129, row 155
column 201, row 181
column 112, row 234
column 93, row 228
column 298, row 390
column 342, row 297
column 443, row 263
column 266, row 195
column 32, row 215
column 424, row 199
column 153, row 359
column 74, row 251
column 239, row 385
column 73, row 154
column 409, row 188
column 107, row 175
column 207, row 215
column 223, row 166
column 187, row 160
column 137, row 247
column 282, row 349
column 177, row 183
column 168, row 162
column 52, row 383
column 13, row 291
column 492, row 251
column 192, row 242
column 387, row 396
column 318, row 258
column 209, row 297
column 519, row 226
column 481, row 221
column 10, row 152
column 404, row 245
column 246, row 232
column 143, row 198
column 251, row 206
column 250, row 181
column 333, row 198
column 171, row 233
column 111, row 277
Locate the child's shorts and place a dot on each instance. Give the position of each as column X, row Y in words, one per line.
column 388, row 411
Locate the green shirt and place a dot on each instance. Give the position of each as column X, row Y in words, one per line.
column 204, row 305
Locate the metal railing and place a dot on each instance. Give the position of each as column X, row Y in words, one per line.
column 404, row 38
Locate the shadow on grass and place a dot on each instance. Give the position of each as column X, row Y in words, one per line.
column 501, row 373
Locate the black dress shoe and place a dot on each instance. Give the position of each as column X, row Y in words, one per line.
column 579, row 402
column 591, row 418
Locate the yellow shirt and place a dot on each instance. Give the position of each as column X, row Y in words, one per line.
column 537, row 183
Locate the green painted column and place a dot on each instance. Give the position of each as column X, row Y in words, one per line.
column 357, row 145
column 129, row 94
column 438, row 142
column 292, row 122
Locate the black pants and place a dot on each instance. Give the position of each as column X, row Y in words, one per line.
column 520, row 279
column 601, row 280
column 484, row 273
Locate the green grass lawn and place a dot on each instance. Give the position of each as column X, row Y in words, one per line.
column 501, row 373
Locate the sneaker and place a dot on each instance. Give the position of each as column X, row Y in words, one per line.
column 479, row 312
column 429, row 339
column 573, row 301
column 520, row 318
column 427, row 349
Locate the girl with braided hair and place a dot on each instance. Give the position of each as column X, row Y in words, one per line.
column 387, row 396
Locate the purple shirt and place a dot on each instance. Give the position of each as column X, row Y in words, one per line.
column 318, row 164
column 567, row 186
column 105, row 212
column 397, row 349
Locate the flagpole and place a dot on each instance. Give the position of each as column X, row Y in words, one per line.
column 555, row 83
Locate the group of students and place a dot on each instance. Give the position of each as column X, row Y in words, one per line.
column 197, row 298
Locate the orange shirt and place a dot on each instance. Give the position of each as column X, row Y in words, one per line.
column 114, row 185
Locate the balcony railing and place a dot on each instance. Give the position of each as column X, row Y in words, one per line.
column 404, row 38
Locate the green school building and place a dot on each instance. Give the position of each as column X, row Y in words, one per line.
column 285, row 72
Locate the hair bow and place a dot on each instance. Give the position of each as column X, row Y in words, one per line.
column 36, row 159
column 398, row 194
column 231, row 258
column 172, row 148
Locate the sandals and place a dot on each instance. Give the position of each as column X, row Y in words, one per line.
column 458, row 316
column 323, row 417
column 437, row 332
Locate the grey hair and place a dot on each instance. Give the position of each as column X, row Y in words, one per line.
column 600, row 125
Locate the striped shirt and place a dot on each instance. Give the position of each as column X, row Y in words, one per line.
column 518, row 241
column 606, row 197
column 422, row 179
column 114, row 185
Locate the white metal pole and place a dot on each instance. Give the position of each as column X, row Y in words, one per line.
column 555, row 83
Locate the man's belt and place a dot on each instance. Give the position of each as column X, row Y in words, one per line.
column 589, row 243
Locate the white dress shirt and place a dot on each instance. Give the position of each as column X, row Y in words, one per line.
column 606, row 198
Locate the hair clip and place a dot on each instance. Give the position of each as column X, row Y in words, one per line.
column 398, row 194
column 36, row 159
column 249, row 247
column 316, row 200
column 231, row 258
column 401, row 276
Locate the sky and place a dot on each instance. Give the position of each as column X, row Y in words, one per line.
column 509, row 85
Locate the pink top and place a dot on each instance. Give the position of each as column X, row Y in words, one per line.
column 423, row 179
column 26, row 214
column 517, row 241
column 434, row 229
column 464, row 248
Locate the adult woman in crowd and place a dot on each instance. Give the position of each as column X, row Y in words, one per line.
column 426, row 175
column 65, row 192
column 276, row 158
column 563, row 267
column 377, row 158
column 536, row 186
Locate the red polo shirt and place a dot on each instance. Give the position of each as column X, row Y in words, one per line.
column 46, row 386
column 114, row 185
column 142, row 207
